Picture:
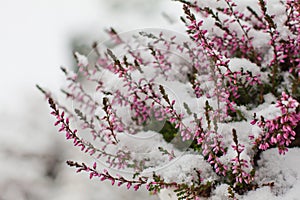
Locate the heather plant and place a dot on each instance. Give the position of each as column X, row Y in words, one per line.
column 188, row 112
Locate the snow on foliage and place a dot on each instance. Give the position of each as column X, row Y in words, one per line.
column 195, row 114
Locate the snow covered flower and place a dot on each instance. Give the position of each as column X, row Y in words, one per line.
column 146, row 106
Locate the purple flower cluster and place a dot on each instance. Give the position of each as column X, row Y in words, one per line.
column 228, row 92
column 279, row 131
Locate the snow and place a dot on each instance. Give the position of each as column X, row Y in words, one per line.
column 182, row 169
column 221, row 192
column 81, row 60
column 237, row 64
column 32, row 155
column 283, row 171
column 167, row 194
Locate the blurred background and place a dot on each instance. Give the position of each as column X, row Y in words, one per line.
column 36, row 38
